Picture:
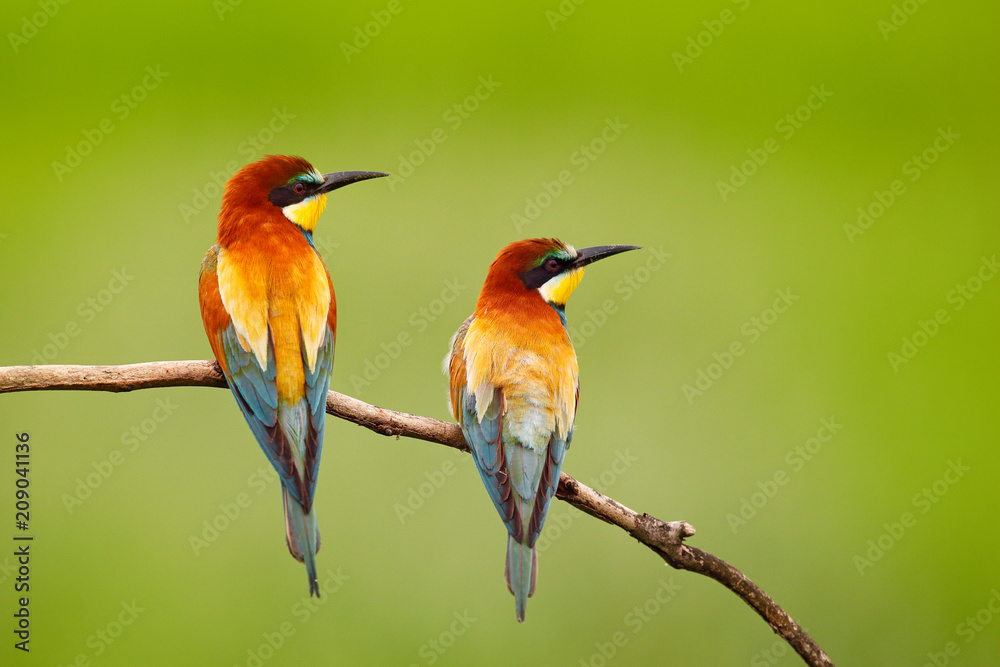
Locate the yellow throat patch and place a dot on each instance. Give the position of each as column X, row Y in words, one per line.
column 306, row 213
column 557, row 290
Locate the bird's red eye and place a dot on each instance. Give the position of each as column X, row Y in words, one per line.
column 552, row 264
column 299, row 188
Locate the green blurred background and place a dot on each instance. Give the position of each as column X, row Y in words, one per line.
column 411, row 546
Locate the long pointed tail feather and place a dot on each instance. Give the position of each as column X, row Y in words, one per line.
column 302, row 537
column 520, row 574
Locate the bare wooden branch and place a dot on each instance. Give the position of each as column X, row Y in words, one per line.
column 666, row 539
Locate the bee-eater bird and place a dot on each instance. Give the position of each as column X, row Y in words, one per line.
column 515, row 387
column 270, row 313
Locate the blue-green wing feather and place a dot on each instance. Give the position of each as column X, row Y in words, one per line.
column 317, row 386
column 547, row 485
column 292, row 439
column 485, row 438
column 256, row 393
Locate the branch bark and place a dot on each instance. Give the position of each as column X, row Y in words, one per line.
column 666, row 539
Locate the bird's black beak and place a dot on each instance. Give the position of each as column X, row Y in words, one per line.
column 341, row 178
column 589, row 255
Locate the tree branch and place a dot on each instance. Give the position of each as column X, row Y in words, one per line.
column 666, row 539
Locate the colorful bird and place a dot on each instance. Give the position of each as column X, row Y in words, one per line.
column 515, row 387
column 271, row 317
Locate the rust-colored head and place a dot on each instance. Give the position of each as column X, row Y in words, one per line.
column 280, row 185
column 250, row 186
column 547, row 267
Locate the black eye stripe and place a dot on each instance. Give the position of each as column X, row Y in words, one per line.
column 284, row 195
column 539, row 275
